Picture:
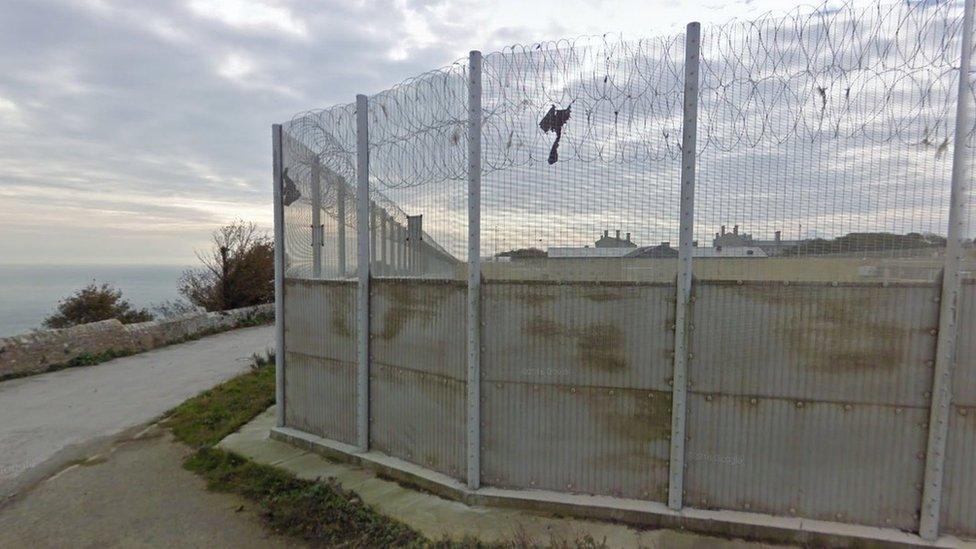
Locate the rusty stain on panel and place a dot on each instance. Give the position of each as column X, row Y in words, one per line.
column 588, row 440
column 806, row 400
column 409, row 302
column 647, row 422
column 846, row 343
column 343, row 310
column 597, row 345
column 417, row 404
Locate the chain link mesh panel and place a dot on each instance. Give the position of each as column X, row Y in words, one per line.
column 824, row 159
column 321, row 331
column 319, row 168
column 824, row 175
column 581, row 140
column 418, row 178
column 828, row 136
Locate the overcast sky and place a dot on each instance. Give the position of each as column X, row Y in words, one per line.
column 130, row 129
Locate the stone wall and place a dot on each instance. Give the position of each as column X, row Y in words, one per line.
column 38, row 351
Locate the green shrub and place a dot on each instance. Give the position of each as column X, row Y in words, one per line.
column 92, row 304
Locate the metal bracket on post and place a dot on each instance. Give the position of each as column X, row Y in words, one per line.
column 363, row 265
column 679, row 389
column 279, row 270
column 474, row 271
column 949, row 303
column 318, row 231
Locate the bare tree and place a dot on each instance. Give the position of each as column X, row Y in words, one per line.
column 238, row 271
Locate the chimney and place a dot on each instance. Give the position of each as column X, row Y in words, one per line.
column 778, row 236
column 694, row 243
column 723, row 229
column 735, row 229
column 618, row 234
column 606, row 234
column 666, row 244
column 628, row 237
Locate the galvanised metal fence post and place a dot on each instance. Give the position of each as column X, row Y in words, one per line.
column 679, row 387
column 474, row 271
column 279, row 270
column 318, row 232
column 949, row 303
column 363, row 266
column 341, row 227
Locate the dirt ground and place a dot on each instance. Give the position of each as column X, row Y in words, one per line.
column 135, row 495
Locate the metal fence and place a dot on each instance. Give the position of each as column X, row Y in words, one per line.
column 724, row 270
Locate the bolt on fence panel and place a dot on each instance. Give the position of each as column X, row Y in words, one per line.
column 418, row 303
column 319, row 203
column 320, row 184
column 418, row 153
column 581, row 142
column 579, row 223
column 824, row 168
column 812, row 336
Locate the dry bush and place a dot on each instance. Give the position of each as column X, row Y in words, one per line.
column 238, row 271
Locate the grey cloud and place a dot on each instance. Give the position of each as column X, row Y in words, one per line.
column 124, row 101
column 122, row 109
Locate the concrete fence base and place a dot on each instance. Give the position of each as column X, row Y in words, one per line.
column 42, row 350
column 633, row 512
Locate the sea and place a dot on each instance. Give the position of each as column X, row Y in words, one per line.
column 30, row 293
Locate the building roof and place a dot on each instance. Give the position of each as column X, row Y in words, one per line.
column 729, row 251
column 607, row 241
column 655, row 252
column 588, row 252
column 660, row 251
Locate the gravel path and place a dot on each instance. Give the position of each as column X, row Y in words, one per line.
column 51, row 420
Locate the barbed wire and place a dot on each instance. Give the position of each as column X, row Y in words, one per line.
column 417, row 132
column 885, row 71
column 867, row 74
column 882, row 72
column 625, row 100
column 326, row 140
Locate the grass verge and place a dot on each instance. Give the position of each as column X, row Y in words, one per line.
column 319, row 512
column 322, row 513
column 207, row 418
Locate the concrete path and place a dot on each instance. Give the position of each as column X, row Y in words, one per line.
column 50, row 420
column 136, row 494
column 438, row 518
